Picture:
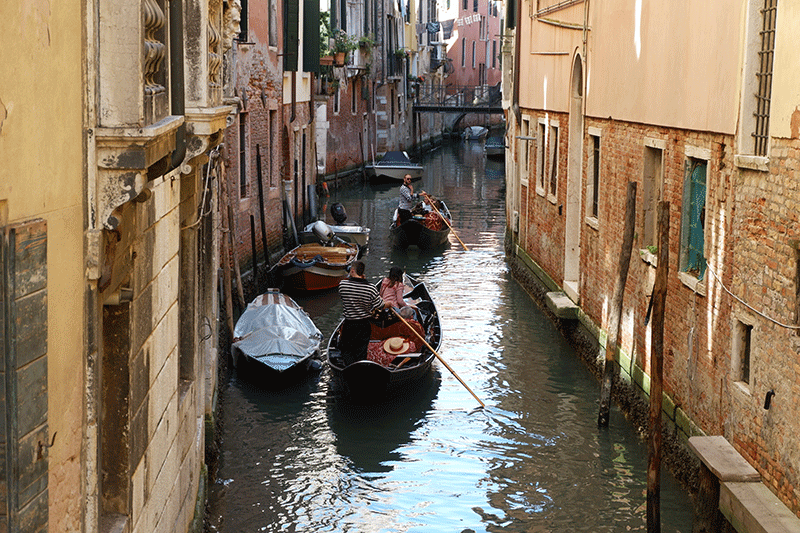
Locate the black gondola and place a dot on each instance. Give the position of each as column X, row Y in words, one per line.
column 367, row 379
column 425, row 229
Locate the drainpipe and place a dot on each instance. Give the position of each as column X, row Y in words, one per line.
column 517, row 23
column 176, row 80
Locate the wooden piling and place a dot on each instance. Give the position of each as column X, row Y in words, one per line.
column 656, row 373
column 262, row 214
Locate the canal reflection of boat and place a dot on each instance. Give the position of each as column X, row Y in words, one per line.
column 389, row 367
column 275, row 337
column 371, row 435
column 392, row 167
column 315, row 267
column 425, row 229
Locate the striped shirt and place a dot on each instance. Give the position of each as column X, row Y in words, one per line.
column 407, row 199
column 359, row 298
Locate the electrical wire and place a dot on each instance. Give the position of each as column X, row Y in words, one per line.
column 753, row 309
column 213, row 156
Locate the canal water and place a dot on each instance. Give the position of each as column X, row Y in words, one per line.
column 301, row 458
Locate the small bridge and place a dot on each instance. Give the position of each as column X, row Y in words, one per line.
column 483, row 99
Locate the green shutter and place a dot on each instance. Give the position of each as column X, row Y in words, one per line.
column 311, row 36
column 291, row 29
column 23, row 428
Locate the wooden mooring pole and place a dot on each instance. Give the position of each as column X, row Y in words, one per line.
column 610, row 367
column 656, row 373
column 262, row 213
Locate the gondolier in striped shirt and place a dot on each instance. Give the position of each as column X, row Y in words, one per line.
column 359, row 299
column 407, row 200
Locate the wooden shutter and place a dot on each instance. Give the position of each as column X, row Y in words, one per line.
column 311, row 36
column 23, row 428
column 291, row 37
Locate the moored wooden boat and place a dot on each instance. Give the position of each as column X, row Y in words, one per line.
column 393, row 166
column 314, row 267
column 425, row 230
column 274, row 338
column 384, row 373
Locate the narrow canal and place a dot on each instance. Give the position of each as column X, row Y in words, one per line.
column 302, row 459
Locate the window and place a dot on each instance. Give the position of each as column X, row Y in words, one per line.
column 553, row 145
column 541, row 143
column 475, row 5
column 593, row 193
column 272, row 6
column 473, row 54
column 494, row 53
column 742, row 337
column 465, row 5
column 336, row 100
column 464, row 52
column 692, row 259
column 652, row 181
column 764, row 77
column 243, row 155
column 353, row 100
column 392, row 111
column 273, row 130
column 524, row 145
column 753, row 138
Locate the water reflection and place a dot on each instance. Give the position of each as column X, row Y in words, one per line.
column 305, row 460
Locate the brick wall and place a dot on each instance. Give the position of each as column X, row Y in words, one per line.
column 751, row 227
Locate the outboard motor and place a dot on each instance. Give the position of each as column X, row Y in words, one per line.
column 323, row 231
column 338, row 213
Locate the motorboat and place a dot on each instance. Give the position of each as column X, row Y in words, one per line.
column 275, row 335
column 321, row 231
column 393, row 166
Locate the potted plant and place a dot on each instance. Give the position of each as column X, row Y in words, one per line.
column 342, row 45
column 366, row 41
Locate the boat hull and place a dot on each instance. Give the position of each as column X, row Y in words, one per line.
column 393, row 167
column 370, row 381
column 414, row 233
column 393, row 173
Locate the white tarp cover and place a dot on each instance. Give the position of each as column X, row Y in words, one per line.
column 278, row 333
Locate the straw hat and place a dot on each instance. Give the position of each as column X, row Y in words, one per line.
column 396, row 345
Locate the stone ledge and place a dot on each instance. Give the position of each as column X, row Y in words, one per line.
column 753, row 508
column 562, row 306
column 723, row 460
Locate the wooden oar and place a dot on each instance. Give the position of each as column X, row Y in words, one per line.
column 420, row 337
column 448, row 224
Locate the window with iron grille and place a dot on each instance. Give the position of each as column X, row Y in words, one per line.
column 693, row 218
column 764, row 77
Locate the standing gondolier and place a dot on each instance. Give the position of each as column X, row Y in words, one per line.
column 407, row 200
column 359, row 299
